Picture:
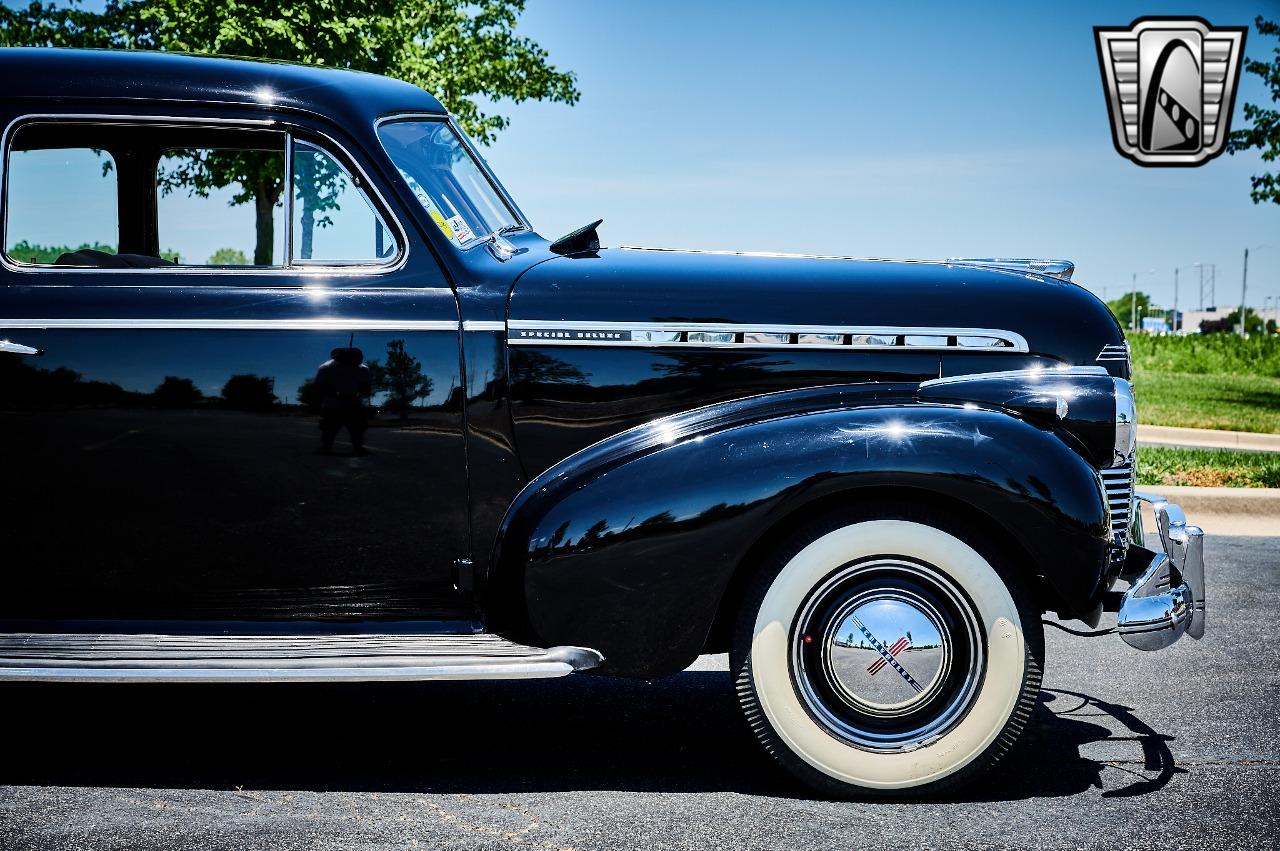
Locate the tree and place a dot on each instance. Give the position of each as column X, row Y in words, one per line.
column 402, row 379
column 228, row 257
column 1229, row 324
column 309, row 395
column 462, row 51
column 27, row 252
column 249, row 392
column 176, row 392
column 531, row 367
column 1122, row 308
column 1264, row 133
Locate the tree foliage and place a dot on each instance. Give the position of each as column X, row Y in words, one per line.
column 1122, row 307
column 246, row 392
column 465, row 52
column 462, row 52
column 1264, row 132
column 228, row 257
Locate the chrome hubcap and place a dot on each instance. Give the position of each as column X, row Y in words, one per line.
column 887, row 654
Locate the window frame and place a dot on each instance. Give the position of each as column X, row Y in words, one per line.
column 317, row 138
column 480, row 162
column 291, row 141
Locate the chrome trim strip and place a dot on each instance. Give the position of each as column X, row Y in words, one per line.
column 1041, row 268
column 483, row 325
column 17, row 348
column 1033, row 374
column 477, row 665
column 589, row 333
column 320, row 324
column 358, row 270
column 491, row 671
column 287, row 190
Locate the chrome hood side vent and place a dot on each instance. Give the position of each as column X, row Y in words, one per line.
column 1060, row 269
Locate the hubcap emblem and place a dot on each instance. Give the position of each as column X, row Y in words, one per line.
column 887, row 652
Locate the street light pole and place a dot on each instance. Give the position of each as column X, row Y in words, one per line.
column 1244, row 289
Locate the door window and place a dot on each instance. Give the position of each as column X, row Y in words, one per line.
column 333, row 221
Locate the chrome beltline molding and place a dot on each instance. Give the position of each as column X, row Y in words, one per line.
column 915, row 338
column 483, row 325
column 321, row 324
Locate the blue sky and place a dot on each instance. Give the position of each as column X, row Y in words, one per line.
column 934, row 130
column 931, row 130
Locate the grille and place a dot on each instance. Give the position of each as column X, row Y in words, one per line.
column 1114, row 352
column 1119, row 485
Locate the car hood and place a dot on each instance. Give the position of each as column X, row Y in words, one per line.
column 1058, row 319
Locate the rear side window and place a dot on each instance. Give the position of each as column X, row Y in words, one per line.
column 221, row 206
column 61, row 202
column 158, row 196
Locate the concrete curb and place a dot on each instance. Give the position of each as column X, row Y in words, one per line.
column 1207, row 438
column 1252, row 502
column 1223, row 511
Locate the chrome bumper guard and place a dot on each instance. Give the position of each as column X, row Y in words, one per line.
column 1167, row 598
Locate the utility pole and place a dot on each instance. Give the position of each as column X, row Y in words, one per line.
column 1201, row 268
column 1175, row 301
column 1213, row 284
column 1244, row 289
column 1133, row 302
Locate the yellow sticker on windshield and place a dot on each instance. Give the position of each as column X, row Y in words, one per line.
column 440, row 222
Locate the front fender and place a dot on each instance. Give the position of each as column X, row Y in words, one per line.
column 628, row 547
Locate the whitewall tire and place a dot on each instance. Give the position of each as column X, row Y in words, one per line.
column 886, row 655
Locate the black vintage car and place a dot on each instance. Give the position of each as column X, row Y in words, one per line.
column 291, row 390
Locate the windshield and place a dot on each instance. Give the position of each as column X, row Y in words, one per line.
column 446, row 180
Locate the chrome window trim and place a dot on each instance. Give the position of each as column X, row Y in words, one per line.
column 301, row 263
column 310, row 271
column 316, row 324
column 1017, row 343
column 480, row 161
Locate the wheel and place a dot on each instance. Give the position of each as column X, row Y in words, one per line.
column 887, row 655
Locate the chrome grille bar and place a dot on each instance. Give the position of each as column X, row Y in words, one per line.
column 1118, row 482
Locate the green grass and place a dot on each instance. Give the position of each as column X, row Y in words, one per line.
column 1221, row 401
column 1167, row 465
column 1217, row 354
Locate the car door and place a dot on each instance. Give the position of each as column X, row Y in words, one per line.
column 217, row 405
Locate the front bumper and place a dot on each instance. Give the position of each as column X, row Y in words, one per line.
column 1167, row 595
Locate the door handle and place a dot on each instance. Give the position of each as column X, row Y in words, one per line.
column 19, row 349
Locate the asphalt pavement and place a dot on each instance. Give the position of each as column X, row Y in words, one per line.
column 1177, row 749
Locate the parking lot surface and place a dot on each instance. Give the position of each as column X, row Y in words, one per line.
column 1177, row 749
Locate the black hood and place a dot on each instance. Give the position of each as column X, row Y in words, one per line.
column 1058, row 319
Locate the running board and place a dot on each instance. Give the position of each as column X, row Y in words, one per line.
column 73, row 657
